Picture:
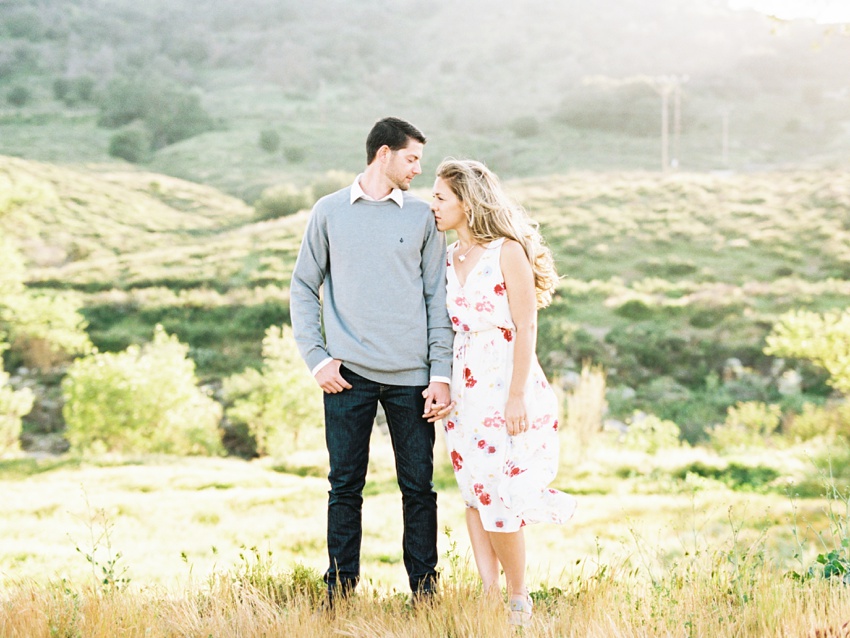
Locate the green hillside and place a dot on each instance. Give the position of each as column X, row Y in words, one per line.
column 61, row 216
column 666, row 278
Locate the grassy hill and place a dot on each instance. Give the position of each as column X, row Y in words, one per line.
column 666, row 277
column 60, row 215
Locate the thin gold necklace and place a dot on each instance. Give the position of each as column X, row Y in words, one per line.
column 460, row 258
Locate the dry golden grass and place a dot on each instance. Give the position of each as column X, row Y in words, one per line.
column 645, row 555
column 703, row 600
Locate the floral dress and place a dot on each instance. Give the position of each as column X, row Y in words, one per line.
column 504, row 477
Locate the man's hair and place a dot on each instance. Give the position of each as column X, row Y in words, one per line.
column 391, row 132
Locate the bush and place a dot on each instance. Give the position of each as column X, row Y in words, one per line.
column 169, row 113
column 140, row 400
column 649, row 434
column 74, row 90
column 47, row 329
column 631, row 109
column 822, row 339
column 131, row 144
column 295, row 154
column 13, row 405
column 44, row 329
column 281, row 201
column 18, row 96
column 735, row 475
column 525, row 126
column 269, row 140
column 634, row 309
column 816, row 421
column 26, row 24
column 748, row 424
column 330, row 182
column 586, row 405
column 279, row 402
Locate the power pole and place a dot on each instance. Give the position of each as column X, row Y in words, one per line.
column 664, row 85
column 677, row 123
column 664, row 89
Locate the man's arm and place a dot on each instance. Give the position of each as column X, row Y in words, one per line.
column 305, row 306
column 440, row 333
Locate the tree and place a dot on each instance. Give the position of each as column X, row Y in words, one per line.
column 18, row 96
column 822, row 339
column 269, row 140
column 144, row 399
column 132, row 144
column 280, row 401
column 14, row 404
column 44, row 329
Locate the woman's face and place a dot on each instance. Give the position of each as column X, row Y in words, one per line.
column 447, row 208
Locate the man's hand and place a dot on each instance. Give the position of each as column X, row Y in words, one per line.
column 438, row 401
column 330, row 380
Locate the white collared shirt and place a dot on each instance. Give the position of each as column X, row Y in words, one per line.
column 357, row 192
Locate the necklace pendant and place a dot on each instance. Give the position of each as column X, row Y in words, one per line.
column 461, row 258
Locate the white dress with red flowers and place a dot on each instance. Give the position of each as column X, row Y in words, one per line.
column 506, row 478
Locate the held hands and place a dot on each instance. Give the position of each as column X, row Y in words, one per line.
column 516, row 415
column 330, row 380
column 438, row 401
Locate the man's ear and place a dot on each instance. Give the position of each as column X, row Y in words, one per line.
column 383, row 153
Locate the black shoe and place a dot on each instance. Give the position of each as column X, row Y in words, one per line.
column 340, row 592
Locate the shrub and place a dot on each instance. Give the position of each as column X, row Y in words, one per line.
column 631, row 109
column 735, row 475
column 74, row 90
column 177, row 118
column 18, row 96
column 281, row 201
column 525, row 126
column 131, row 144
column 269, row 140
column 44, row 329
column 26, row 24
column 278, row 402
column 748, row 424
column 822, row 339
column 13, row 405
column 649, row 434
column 295, row 154
column 168, row 112
column 586, row 405
column 634, row 309
column 47, row 329
column 140, row 400
column 820, row 421
column 330, row 182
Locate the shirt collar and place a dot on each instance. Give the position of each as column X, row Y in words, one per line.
column 395, row 195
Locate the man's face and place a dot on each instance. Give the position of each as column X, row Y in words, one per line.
column 403, row 165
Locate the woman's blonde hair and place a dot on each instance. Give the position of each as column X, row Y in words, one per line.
column 491, row 214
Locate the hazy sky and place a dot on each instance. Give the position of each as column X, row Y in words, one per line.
column 824, row 11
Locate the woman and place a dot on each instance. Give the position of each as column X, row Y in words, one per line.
column 502, row 433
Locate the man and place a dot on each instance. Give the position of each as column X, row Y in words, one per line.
column 376, row 252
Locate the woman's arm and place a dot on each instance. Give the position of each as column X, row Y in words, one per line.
column 522, row 299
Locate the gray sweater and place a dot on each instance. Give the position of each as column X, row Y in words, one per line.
column 383, row 270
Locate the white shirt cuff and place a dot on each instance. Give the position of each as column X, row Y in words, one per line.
column 315, row 370
column 445, row 380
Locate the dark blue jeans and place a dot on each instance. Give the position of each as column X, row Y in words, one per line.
column 349, row 416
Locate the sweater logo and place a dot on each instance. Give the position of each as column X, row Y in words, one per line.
column 401, row 241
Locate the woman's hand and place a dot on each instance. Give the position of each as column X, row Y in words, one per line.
column 516, row 415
